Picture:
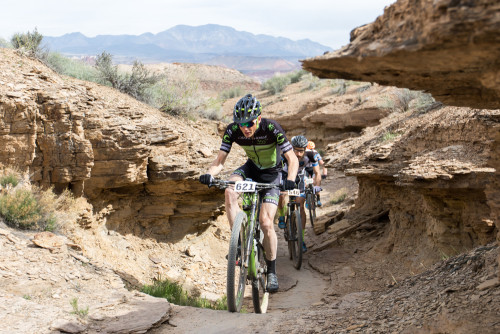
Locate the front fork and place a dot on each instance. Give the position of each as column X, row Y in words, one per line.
column 250, row 208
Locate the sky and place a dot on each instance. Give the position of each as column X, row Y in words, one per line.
column 328, row 22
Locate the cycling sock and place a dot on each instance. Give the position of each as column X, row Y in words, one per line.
column 281, row 211
column 271, row 266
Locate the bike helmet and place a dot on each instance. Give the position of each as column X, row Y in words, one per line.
column 246, row 109
column 299, row 141
column 310, row 145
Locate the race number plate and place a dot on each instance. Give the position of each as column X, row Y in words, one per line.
column 294, row 192
column 308, row 181
column 244, row 186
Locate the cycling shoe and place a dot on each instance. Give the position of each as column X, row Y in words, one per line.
column 304, row 248
column 281, row 222
column 272, row 283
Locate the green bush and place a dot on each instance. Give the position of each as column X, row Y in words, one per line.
column 28, row 42
column 297, row 76
column 311, row 81
column 20, row 209
column 136, row 84
column 175, row 294
column 276, row 84
column 73, row 68
column 231, row 93
column 9, row 179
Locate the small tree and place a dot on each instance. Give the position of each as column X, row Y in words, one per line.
column 107, row 72
column 135, row 84
column 28, row 42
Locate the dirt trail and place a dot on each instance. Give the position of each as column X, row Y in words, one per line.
column 299, row 291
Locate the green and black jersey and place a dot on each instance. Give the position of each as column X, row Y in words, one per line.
column 264, row 148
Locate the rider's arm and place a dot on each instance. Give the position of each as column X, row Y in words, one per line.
column 317, row 176
column 293, row 164
column 322, row 164
column 218, row 163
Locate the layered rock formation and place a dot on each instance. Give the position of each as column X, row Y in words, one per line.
column 136, row 162
column 449, row 48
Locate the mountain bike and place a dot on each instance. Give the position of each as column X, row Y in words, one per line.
column 310, row 199
column 246, row 258
column 293, row 229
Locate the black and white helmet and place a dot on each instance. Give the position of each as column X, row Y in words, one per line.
column 246, row 109
column 299, row 141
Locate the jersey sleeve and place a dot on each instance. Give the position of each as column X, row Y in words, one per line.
column 228, row 138
column 281, row 139
column 312, row 158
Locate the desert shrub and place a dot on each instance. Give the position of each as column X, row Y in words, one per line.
column 339, row 86
column 179, row 98
column 339, row 196
column 20, row 209
column 212, row 109
column 297, row 76
column 388, row 136
column 9, row 179
column 276, row 84
column 72, row 67
column 231, row 93
column 29, row 43
column 136, row 84
column 423, row 103
column 28, row 207
column 310, row 81
column 403, row 98
column 175, row 294
column 4, row 43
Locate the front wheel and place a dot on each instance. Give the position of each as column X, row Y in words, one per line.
column 295, row 239
column 236, row 271
column 311, row 199
column 260, row 296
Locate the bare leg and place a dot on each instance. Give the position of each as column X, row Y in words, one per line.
column 267, row 212
column 232, row 206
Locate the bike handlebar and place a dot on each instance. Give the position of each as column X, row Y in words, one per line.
column 223, row 184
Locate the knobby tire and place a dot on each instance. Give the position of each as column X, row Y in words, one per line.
column 295, row 239
column 236, row 274
column 260, row 296
column 312, row 208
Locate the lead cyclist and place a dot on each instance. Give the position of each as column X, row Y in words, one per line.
column 263, row 141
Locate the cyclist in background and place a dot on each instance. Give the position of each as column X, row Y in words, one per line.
column 305, row 157
column 263, row 141
column 311, row 147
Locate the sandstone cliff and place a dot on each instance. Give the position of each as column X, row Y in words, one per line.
column 447, row 47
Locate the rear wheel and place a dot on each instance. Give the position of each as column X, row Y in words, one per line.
column 236, row 271
column 295, row 239
column 260, row 296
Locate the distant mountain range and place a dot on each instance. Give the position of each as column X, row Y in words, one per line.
column 209, row 44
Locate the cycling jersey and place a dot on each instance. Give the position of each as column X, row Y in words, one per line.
column 264, row 148
column 307, row 159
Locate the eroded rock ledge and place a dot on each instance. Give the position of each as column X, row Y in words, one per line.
column 449, row 48
column 136, row 162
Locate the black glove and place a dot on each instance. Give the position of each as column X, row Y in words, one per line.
column 323, row 177
column 289, row 185
column 206, row 179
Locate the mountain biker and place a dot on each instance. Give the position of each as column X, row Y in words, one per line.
column 263, row 140
column 319, row 159
column 305, row 157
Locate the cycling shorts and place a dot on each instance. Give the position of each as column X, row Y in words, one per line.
column 250, row 171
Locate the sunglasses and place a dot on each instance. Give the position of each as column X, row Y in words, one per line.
column 299, row 149
column 247, row 124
